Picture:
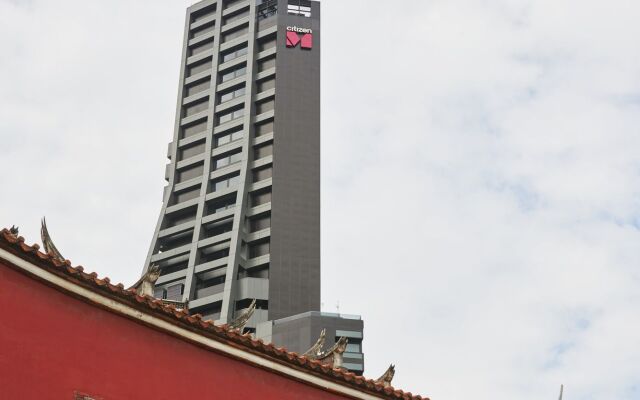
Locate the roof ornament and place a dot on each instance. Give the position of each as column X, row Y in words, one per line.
column 317, row 347
column 386, row 378
column 49, row 247
column 241, row 320
column 145, row 286
column 332, row 355
column 14, row 230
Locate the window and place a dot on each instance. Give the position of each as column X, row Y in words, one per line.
column 234, row 53
column 191, row 151
column 267, row 9
column 245, row 303
column 182, row 216
column 174, row 241
column 266, row 84
column 299, row 7
column 216, row 251
column 235, row 33
column 236, row 16
column 264, row 128
column 227, row 76
column 353, row 347
column 201, row 47
column 261, row 271
column 170, row 269
column 187, row 195
column 189, row 173
column 222, row 204
column 266, row 64
column 227, row 159
column 194, row 129
column 204, row 13
column 262, row 174
column 202, row 30
column 263, row 151
column 260, row 198
column 230, row 3
column 267, row 43
column 215, row 255
column 196, row 107
column 197, row 87
column 229, row 137
column 265, row 106
column 198, row 67
column 218, row 228
column 175, row 292
column 349, row 334
column 210, row 312
column 230, row 115
column 356, row 368
column 207, row 286
column 231, row 94
column 258, row 249
column 259, row 223
column 226, row 182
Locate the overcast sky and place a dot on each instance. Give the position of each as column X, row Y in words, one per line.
column 480, row 175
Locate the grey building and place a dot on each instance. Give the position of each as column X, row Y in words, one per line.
column 240, row 218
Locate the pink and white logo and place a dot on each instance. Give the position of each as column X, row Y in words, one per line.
column 294, row 37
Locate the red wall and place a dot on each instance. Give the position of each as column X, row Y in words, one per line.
column 52, row 345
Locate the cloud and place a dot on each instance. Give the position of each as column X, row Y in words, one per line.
column 480, row 175
column 483, row 194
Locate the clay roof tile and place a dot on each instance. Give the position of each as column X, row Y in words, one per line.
column 181, row 316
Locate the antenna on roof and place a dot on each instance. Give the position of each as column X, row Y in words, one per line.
column 561, row 390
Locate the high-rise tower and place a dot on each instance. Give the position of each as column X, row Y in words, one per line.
column 240, row 218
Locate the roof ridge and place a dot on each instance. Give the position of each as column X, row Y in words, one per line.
column 195, row 321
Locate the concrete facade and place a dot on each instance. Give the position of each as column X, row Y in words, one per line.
column 240, row 218
column 299, row 332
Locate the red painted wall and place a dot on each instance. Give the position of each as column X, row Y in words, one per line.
column 52, row 345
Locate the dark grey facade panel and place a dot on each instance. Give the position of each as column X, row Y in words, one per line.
column 220, row 164
column 298, row 333
column 295, row 268
column 240, row 218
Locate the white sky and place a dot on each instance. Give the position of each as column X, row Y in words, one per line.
column 480, row 175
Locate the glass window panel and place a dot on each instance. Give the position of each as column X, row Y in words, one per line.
column 264, row 128
column 237, row 135
column 353, row 348
column 199, row 67
column 226, row 97
column 222, row 162
column 234, row 158
column 224, row 139
column 238, row 113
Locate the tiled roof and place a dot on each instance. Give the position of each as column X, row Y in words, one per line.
column 150, row 305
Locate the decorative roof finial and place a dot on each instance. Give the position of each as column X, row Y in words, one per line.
column 332, row 355
column 316, row 349
column 49, row 247
column 145, row 286
column 239, row 323
column 14, row 230
column 386, row 378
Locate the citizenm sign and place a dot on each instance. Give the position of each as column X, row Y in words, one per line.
column 297, row 35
